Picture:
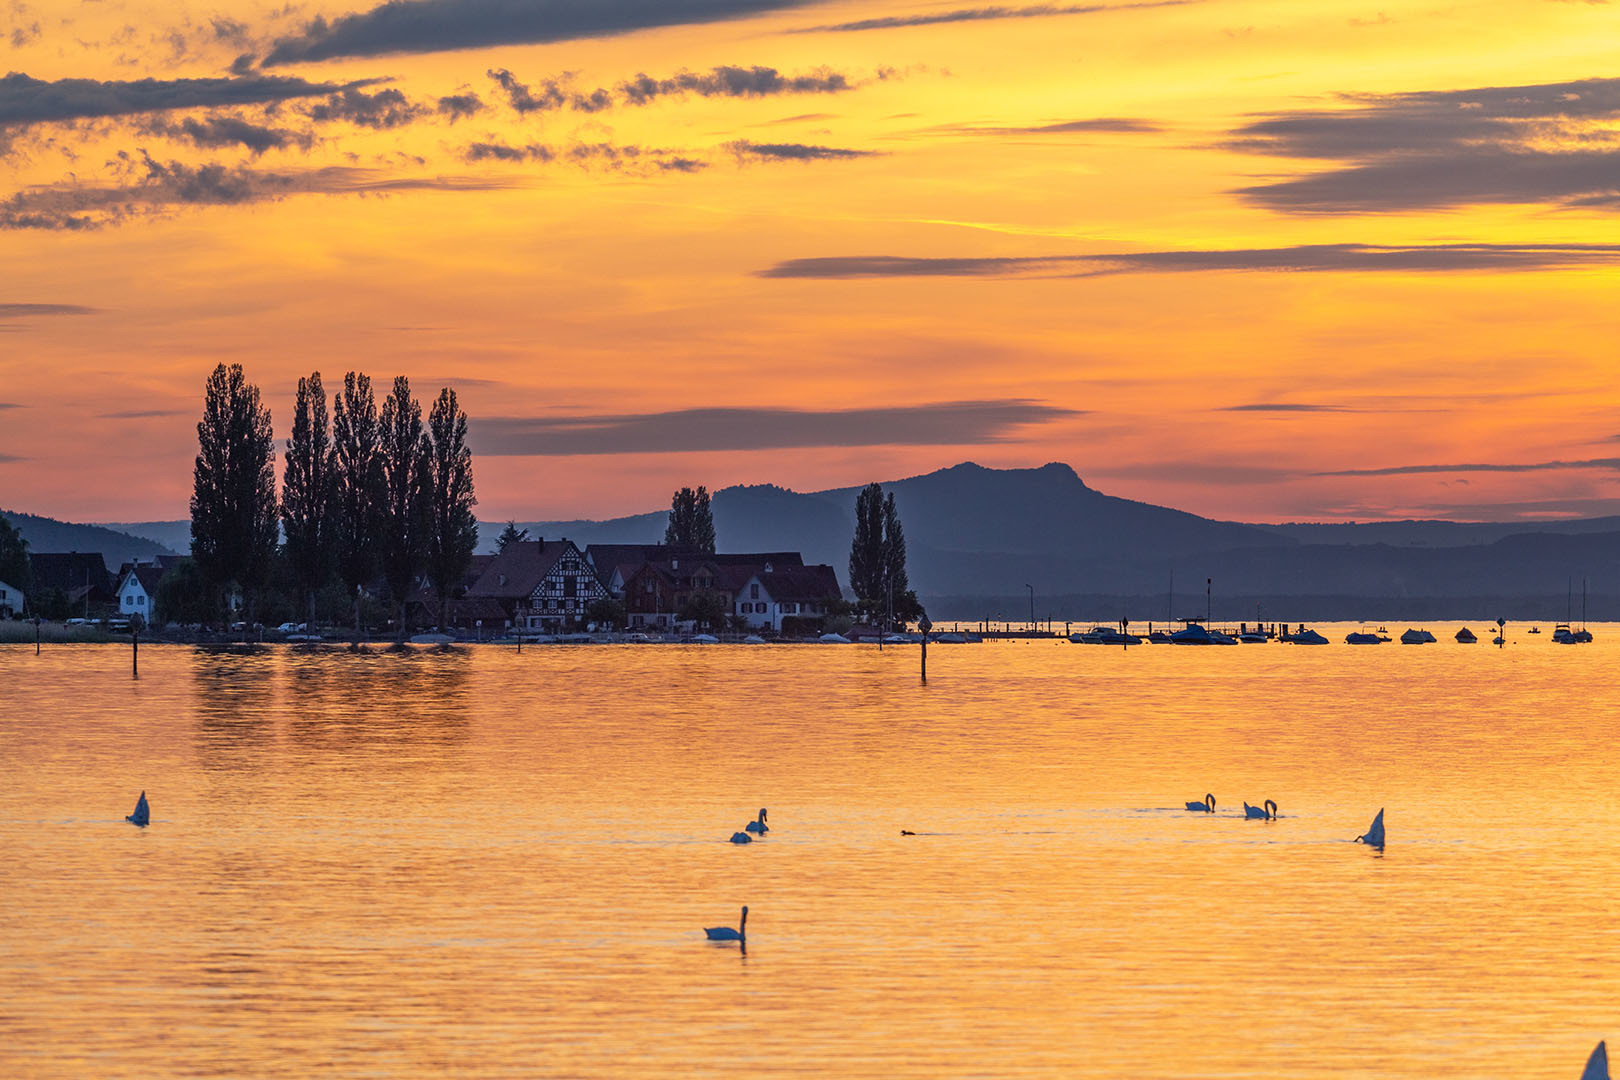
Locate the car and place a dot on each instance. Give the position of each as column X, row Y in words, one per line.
column 292, row 628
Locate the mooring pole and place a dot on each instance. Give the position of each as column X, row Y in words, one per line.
column 36, row 635
column 134, row 652
column 924, row 625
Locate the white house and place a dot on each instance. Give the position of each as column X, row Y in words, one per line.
column 774, row 593
column 11, row 600
column 136, row 590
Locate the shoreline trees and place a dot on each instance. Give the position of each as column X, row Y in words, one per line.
column 307, row 491
column 877, row 560
column 691, row 522
column 234, row 520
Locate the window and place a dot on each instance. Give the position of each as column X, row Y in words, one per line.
column 753, row 591
column 140, row 601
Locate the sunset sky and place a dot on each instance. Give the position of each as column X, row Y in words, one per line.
column 1265, row 260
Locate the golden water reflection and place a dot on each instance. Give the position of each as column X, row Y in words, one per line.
column 499, row 865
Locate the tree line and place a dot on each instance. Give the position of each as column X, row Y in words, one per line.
column 365, row 491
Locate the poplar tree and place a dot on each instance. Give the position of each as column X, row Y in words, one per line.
column 453, row 529
column 233, row 501
column 356, row 481
column 866, row 562
column 691, row 522
column 403, row 455
column 307, row 490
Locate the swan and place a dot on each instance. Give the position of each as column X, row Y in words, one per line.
column 1597, row 1066
column 142, row 814
column 741, row 838
column 1374, row 836
column 1207, row 806
column 1267, row 811
column 758, row 824
column 726, row 933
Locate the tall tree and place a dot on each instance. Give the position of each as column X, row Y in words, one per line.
column 14, row 568
column 233, row 501
column 691, row 522
column 306, row 491
column 866, row 562
column 510, row 535
column 453, row 531
column 356, row 483
column 404, row 454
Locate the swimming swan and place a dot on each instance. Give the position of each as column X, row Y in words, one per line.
column 1374, row 836
column 758, row 824
column 741, row 838
column 726, row 933
column 1207, row 806
column 1267, row 811
column 142, row 814
column 1597, row 1066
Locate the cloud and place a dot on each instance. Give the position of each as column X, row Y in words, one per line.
column 423, row 26
column 10, row 405
column 216, row 131
column 381, row 111
column 25, row 100
column 744, row 148
column 489, row 151
column 1546, row 143
column 141, row 414
column 694, row 430
column 1537, row 466
column 1103, row 124
column 1304, row 258
column 12, row 311
column 1280, row 407
column 553, row 95
column 1031, row 11
column 158, row 186
column 10, row 459
column 460, row 106
column 739, row 82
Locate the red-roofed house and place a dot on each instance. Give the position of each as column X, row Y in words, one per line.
column 540, row 584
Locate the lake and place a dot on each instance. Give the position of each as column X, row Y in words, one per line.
column 490, row 864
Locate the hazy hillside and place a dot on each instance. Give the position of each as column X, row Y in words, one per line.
column 47, row 534
column 174, row 535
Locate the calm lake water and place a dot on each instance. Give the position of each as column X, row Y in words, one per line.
column 489, row 864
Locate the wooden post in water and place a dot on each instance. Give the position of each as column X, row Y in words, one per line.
column 36, row 635
column 134, row 651
column 924, row 625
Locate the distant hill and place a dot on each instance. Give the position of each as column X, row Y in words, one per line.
column 977, row 537
column 47, row 534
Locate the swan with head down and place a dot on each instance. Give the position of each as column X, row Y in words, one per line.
column 1597, row 1066
column 1207, row 806
column 1374, row 836
column 1266, row 811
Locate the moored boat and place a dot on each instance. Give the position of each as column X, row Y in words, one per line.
column 1466, row 636
column 1196, row 634
column 1304, row 636
column 1417, row 637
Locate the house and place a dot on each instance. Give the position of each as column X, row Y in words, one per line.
column 12, row 601
column 615, row 563
column 658, row 592
column 541, row 584
column 775, row 593
column 422, row 603
column 79, row 576
column 137, row 589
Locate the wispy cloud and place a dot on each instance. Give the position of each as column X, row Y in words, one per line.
column 1536, row 466
column 1285, row 407
column 980, row 14
column 1555, row 143
column 693, row 430
column 13, row 311
column 1104, row 125
column 424, row 26
column 141, row 414
column 745, row 149
column 158, row 186
column 25, row 100
column 726, row 81
column 1305, row 258
column 213, row 132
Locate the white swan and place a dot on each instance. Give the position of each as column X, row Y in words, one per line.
column 1207, row 806
column 726, row 933
column 741, row 838
column 142, row 814
column 1267, row 811
column 1374, row 836
column 1597, row 1066
column 758, row 824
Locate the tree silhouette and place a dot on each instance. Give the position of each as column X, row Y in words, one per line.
column 453, row 529
column 510, row 535
column 357, row 483
column 404, row 457
column 307, row 490
column 691, row 523
column 233, row 501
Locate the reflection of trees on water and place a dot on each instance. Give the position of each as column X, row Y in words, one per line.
column 403, row 708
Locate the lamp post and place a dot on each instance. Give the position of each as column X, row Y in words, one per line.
column 1031, row 589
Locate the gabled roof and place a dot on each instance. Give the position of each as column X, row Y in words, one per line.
column 69, row 571
column 802, row 584
column 148, row 576
column 517, row 571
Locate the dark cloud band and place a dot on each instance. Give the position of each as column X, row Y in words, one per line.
column 1028, row 11
column 1305, row 258
column 694, row 430
column 25, row 100
column 13, row 311
column 1536, row 466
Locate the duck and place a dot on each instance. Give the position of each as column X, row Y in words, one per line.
column 726, row 933
column 1207, row 806
column 1374, row 836
column 741, row 838
column 142, row 814
column 1266, row 811
column 758, row 824
column 1597, row 1066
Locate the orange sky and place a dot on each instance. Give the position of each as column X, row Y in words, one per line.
column 1215, row 254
